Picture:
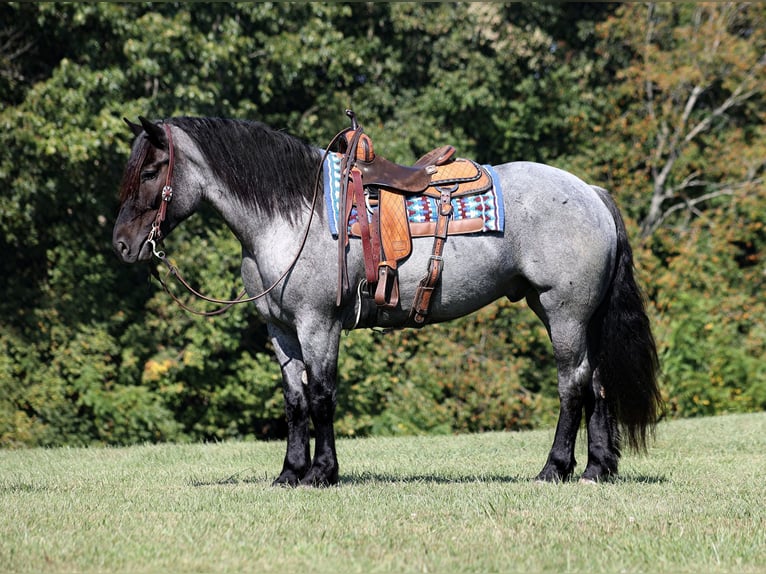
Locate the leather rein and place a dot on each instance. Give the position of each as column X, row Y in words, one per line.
column 155, row 236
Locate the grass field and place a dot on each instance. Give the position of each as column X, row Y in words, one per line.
column 417, row 504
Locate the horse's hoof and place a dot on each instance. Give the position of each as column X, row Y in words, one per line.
column 317, row 479
column 286, row 480
column 551, row 475
column 596, row 475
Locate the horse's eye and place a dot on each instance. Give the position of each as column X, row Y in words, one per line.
column 148, row 175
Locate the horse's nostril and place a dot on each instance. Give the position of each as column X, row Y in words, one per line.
column 121, row 248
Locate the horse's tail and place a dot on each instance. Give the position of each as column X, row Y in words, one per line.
column 627, row 362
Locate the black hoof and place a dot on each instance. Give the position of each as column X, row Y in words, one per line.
column 318, row 478
column 550, row 473
column 287, row 479
column 597, row 474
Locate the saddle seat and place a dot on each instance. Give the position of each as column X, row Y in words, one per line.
column 380, row 172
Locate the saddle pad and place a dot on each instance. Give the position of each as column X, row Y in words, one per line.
column 487, row 206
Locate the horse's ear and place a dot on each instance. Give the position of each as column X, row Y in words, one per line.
column 155, row 133
column 135, row 128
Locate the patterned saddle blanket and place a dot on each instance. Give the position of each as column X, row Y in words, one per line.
column 472, row 212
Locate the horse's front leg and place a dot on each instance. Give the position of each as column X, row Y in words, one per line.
column 309, row 371
column 298, row 457
column 320, row 351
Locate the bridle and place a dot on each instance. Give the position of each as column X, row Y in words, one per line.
column 155, row 236
column 167, row 195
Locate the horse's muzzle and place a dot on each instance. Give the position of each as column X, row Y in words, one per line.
column 128, row 252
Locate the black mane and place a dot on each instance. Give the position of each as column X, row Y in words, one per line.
column 269, row 170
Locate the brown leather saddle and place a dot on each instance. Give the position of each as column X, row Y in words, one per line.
column 374, row 184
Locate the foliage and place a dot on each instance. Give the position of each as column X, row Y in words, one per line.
column 459, row 378
column 683, row 144
column 661, row 103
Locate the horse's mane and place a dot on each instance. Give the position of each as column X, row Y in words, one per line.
column 263, row 168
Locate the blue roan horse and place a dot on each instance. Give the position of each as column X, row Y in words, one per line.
column 564, row 249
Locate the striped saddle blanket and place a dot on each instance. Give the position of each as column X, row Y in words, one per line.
column 472, row 213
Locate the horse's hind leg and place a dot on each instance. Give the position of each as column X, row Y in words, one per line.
column 603, row 434
column 579, row 388
column 568, row 336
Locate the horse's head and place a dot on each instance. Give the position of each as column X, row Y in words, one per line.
column 146, row 212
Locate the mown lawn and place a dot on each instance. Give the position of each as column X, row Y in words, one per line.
column 416, row 504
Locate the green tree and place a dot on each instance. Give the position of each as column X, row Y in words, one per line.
column 661, row 103
column 682, row 145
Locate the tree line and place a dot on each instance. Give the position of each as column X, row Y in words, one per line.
column 661, row 103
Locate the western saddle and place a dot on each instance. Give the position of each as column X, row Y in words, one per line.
column 374, row 184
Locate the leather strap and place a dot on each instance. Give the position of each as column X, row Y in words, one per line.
column 155, row 234
column 387, row 292
column 370, row 256
column 376, row 248
column 346, row 165
column 422, row 302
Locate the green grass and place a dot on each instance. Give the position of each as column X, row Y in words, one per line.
column 416, row 504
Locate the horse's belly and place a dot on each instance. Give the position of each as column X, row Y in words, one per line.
column 477, row 270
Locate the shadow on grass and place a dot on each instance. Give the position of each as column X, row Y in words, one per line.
column 371, row 477
column 24, row 488
column 386, row 478
column 641, row 479
column 240, row 477
column 368, row 477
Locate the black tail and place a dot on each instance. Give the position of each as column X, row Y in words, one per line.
column 627, row 355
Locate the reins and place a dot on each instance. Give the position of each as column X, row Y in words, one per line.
column 154, row 236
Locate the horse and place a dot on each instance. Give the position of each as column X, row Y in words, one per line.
column 564, row 249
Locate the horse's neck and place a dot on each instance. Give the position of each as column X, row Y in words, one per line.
column 258, row 233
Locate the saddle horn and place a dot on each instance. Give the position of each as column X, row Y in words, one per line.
column 354, row 124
